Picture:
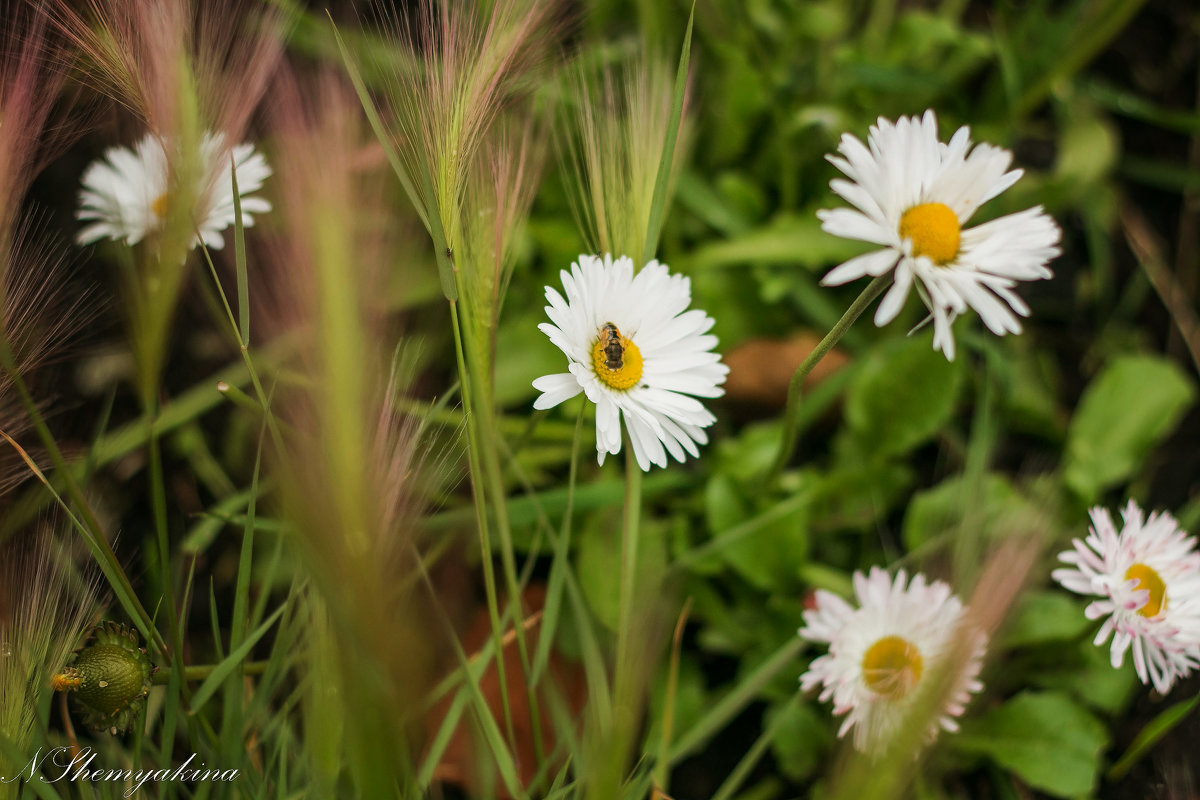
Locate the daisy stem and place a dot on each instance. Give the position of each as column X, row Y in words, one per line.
column 629, row 549
column 481, row 518
column 625, row 702
column 791, row 414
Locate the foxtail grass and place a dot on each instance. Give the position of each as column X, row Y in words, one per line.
column 45, row 606
column 459, row 78
column 349, row 467
column 622, row 137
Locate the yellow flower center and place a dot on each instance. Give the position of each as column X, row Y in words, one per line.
column 159, row 206
column 67, row 680
column 622, row 372
column 934, row 231
column 892, row 667
column 1149, row 580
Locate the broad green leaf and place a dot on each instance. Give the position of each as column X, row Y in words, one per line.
column 902, row 395
column 788, row 239
column 747, row 456
column 1086, row 672
column 525, row 355
column 1030, row 393
column 802, row 739
column 599, row 563
column 1128, row 409
column 723, row 504
column 859, row 488
column 770, row 555
column 1044, row 616
column 1048, row 740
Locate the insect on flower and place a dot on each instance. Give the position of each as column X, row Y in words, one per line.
column 614, row 351
column 636, row 350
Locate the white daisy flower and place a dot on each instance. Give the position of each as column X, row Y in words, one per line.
column 913, row 194
column 880, row 652
column 636, row 351
column 1148, row 576
column 126, row 195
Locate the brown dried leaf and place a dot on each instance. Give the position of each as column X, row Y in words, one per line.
column 761, row 369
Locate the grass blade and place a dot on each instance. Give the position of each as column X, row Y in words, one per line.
column 239, row 254
column 1149, row 736
column 654, row 228
column 222, row 670
column 741, row 696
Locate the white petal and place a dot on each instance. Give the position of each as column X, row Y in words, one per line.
column 874, row 263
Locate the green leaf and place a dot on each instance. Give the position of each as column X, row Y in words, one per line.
column 787, row 239
column 772, row 552
column 736, row 699
column 1086, row 672
column 723, row 504
column 858, row 488
column 902, row 395
column 1048, row 740
column 802, row 739
column 525, row 356
column 599, row 564
column 1126, row 410
column 1043, row 617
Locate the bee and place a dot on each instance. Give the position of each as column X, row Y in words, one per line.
column 614, row 351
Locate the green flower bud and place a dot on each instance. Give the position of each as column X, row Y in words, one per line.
column 109, row 679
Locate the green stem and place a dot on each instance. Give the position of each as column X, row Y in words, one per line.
column 244, row 349
column 625, row 687
column 756, row 752
column 158, row 507
column 718, row 715
column 629, row 551
column 483, row 436
column 791, row 415
column 199, row 672
column 498, row 497
column 481, row 521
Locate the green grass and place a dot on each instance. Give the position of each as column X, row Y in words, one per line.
column 368, row 569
